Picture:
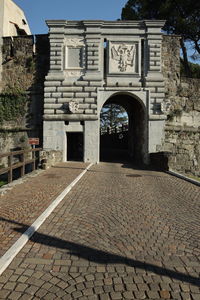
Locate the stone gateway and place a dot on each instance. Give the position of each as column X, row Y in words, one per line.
column 93, row 63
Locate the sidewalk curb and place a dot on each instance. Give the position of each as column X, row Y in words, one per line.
column 10, row 254
column 181, row 176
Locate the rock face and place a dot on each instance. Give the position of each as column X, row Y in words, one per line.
column 182, row 106
column 25, row 62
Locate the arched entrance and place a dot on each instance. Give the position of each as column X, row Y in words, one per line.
column 131, row 142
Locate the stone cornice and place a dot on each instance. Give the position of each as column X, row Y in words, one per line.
column 70, row 117
column 106, row 24
column 154, row 23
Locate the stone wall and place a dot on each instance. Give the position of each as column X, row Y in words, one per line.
column 182, row 106
column 182, row 142
column 25, row 63
column 18, row 62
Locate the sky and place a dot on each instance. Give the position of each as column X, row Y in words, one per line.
column 37, row 11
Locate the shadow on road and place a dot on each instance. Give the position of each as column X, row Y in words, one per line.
column 102, row 257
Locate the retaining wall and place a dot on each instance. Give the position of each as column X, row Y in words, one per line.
column 25, row 63
column 182, row 106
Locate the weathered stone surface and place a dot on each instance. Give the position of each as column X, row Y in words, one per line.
column 25, row 70
column 181, row 102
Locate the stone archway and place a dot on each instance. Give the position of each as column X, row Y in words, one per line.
column 81, row 79
column 137, row 129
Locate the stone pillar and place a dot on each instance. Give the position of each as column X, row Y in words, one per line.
column 91, row 141
column 156, row 133
column 94, row 71
column 55, row 137
column 56, row 39
column 154, row 80
column 55, row 76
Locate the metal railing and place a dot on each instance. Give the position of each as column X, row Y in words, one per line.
column 20, row 161
column 116, row 129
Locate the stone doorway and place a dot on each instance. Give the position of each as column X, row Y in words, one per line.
column 74, row 146
column 130, row 143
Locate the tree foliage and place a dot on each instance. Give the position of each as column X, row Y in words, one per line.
column 182, row 18
column 113, row 115
column 194, row 69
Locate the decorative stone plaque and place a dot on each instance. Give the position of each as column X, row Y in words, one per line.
column 73, row 106
column 74, row 57
column 123, row 57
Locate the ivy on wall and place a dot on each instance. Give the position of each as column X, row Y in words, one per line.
column 13, row 105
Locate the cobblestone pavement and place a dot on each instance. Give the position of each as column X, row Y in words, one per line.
column 119, row 234
column 26, row 201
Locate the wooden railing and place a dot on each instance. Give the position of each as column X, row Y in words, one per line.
column 20, row 162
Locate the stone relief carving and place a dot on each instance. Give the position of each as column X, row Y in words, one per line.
column 73, row 106
column 74, row 73
column 124, row 54
column 75, row 42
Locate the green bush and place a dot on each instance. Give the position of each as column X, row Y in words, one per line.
column 12, row 105
column 3, row 182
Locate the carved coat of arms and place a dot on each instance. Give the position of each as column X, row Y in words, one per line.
column 124, row 54
column 73, row 106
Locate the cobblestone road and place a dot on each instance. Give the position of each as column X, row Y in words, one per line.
column 26, row 201
column 119, row 234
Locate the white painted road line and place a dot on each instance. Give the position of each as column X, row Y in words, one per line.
column 8, row 257
column 181, row 176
